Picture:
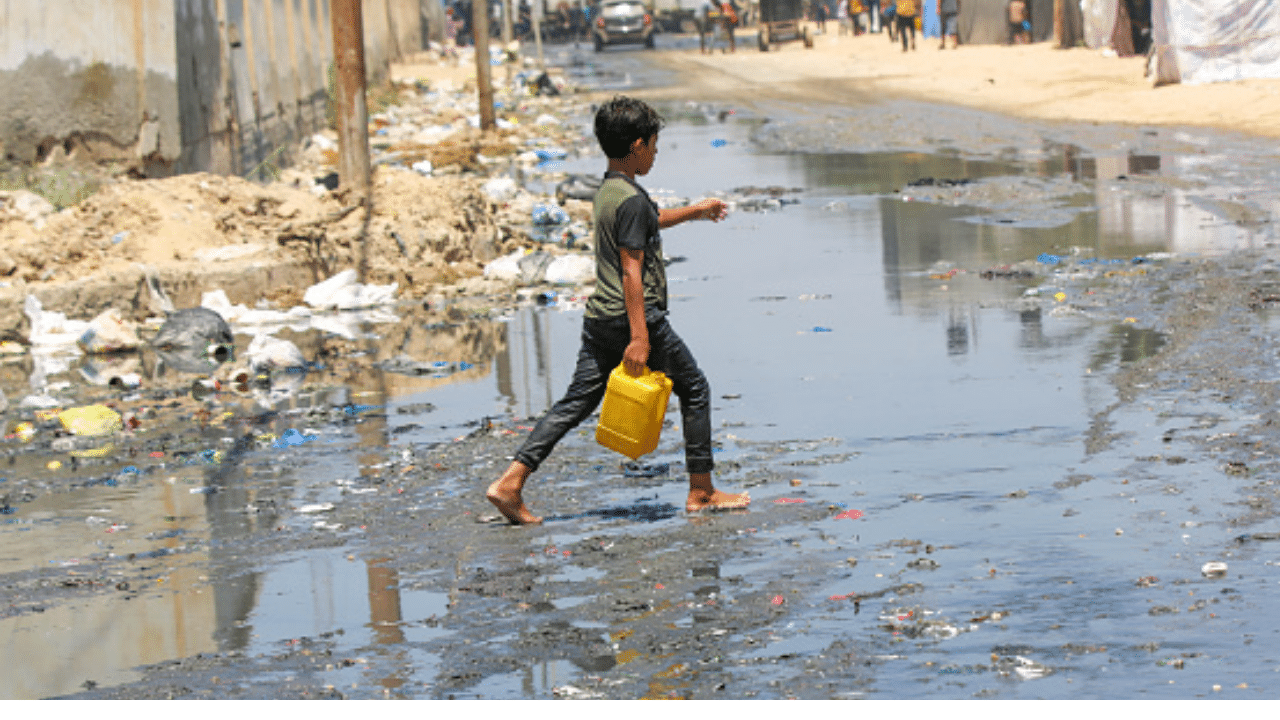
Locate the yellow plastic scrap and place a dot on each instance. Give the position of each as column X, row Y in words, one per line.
column 91, row 420
column 97, row 452
column 25, row 431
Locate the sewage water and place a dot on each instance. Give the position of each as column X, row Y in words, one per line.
column 950, row 413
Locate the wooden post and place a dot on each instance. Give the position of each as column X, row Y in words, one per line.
column 508, row 25
column 349, row 95
column 480, row 25
column 1060, row 23
column 536, row 11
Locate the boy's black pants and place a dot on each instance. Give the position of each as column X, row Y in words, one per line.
column 603, row 343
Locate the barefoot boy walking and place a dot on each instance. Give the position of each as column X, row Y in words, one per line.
column 626, row 318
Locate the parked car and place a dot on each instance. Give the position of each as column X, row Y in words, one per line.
column 622, row 21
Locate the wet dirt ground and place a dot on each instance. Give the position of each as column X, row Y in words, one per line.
column 996, row 403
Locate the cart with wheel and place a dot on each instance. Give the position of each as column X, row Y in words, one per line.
column 783, row 21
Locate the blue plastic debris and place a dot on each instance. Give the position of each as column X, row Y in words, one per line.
column 292, row 437
column 544, row 214
column 545, row 154
column 819, row 328
column 357, row 409
column 1047, row 259
column 719, row 142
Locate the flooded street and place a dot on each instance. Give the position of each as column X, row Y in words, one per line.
column 938, row 372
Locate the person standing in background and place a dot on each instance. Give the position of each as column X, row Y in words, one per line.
column 1019, row 22
column 949, row 17
column 906, row 12
column 729, row 17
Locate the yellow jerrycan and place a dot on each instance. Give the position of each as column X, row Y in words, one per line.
column 633, row 410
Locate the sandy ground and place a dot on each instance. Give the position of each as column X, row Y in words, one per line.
column 1032, row 81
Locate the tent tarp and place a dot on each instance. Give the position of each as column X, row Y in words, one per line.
column 986, row 22
column 1099, row 21
column 1204, row 41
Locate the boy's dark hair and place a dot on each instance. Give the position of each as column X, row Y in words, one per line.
column 622, row 121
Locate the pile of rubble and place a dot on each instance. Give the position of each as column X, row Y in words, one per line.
column 447, row 200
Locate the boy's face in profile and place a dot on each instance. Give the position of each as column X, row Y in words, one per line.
column 646, row 152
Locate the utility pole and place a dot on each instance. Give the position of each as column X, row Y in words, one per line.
column 480, row 23
column 537, row 32
column 1059, row 23
column 508, row 26
column 349, row 95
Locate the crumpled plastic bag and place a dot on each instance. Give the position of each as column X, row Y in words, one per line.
column 506, row 267
column 51, row 328
column 571, row 269
column 193, row 328
column 91, row 420
column 342, row 292
column 109, row 332
column 267, row 352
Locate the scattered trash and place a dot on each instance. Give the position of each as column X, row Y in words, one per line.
column 51, row 328
column 719, row 143
column 204, row 387
column 820, row 329
column 551, row 154
column 196, row 328
column 292, row 437
column 500, row 189
column 24, row 431
column 405, row 365
column 778, row 600
column 578, row 187
column 271, row 353
column 126, row 381
column 642, row 470
column 109, row 332
column 422, row 167
column 788, row 500
column 1214, row 569
column 544, row 214
column 342, row 292
column 849, row 515
column 91, row 420
column 316, row 508
column 571, row 270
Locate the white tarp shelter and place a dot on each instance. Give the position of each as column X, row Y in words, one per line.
column 1205, row 41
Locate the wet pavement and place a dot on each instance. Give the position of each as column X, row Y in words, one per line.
column 982, row 463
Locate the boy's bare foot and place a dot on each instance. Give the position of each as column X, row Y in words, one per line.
column 700, row 500
column 511, row 505
column 505, row 494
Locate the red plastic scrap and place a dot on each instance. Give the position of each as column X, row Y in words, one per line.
column 778, row 600
column 849, row 515
column 788, row 500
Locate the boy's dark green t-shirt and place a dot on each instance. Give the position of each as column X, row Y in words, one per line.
column 626, row 217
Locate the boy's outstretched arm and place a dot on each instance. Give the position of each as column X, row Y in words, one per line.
column 712, row 209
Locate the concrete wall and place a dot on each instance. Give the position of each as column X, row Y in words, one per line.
column 226, row 86
column 88, row 75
